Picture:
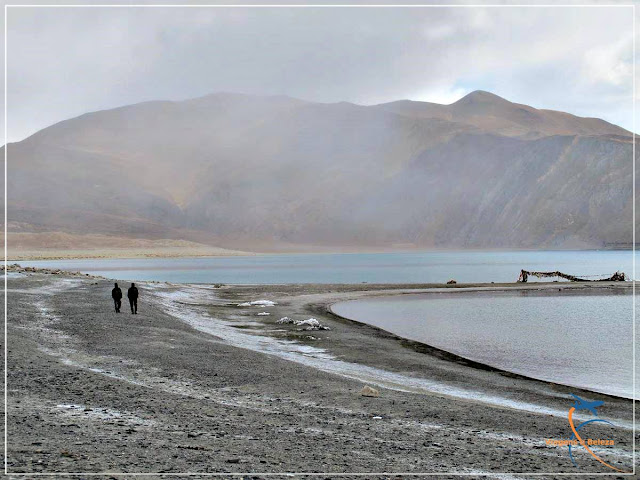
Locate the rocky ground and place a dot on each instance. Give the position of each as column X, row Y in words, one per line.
column 196, row 383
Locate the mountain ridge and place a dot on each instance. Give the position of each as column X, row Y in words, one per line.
column 463, row 110
column 238, row 170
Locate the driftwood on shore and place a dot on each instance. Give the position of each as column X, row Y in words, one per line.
column 524, row 274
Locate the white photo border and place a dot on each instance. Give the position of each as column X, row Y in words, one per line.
column 334, row 474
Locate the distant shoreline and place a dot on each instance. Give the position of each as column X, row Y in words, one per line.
column 170, row 252
column 37, row 255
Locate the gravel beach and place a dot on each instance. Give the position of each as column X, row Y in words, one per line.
column 199, row 382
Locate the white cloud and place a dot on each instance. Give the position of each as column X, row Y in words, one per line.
column 443, row 95
column 64, row 62
column 439, row 32
column 610, row 63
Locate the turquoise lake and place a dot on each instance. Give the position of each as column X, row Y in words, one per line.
column 423, row 267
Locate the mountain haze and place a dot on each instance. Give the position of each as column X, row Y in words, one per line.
column 273, row 173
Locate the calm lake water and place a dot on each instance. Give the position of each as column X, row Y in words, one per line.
column 568, row 338
column 424, row 267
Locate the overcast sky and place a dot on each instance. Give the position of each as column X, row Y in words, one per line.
column 63, row 62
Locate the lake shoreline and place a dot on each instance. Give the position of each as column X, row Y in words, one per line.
column 442, row 352
column 213, row 387
column 30, row 255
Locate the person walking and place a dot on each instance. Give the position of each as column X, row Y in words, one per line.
column 116, row 294
column 132, row 294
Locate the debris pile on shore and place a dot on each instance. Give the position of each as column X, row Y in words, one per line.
column 616, row 277
column 17, row 268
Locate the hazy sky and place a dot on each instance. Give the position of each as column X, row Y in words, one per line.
column 63, row 62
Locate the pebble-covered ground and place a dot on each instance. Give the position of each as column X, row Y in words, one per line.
column 90, row 390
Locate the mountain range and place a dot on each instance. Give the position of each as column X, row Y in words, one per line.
column 277, row 173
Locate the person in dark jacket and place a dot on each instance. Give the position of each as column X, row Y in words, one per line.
column 116, row 294
column 132, row 294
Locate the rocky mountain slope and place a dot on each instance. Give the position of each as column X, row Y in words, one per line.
column 270, row 173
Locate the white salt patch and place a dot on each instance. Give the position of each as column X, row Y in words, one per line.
column 258, row 303
column 15, row 274
column 101, row 413
column 311, row 322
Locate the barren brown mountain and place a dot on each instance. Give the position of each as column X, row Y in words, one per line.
column 274, row 173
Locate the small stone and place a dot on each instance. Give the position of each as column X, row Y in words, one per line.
column 368, row 391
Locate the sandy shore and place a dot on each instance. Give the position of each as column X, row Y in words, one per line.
column 156, row 252
column 62, row 245
column 197, row 383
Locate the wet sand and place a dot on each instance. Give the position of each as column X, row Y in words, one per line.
column 196, row 383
